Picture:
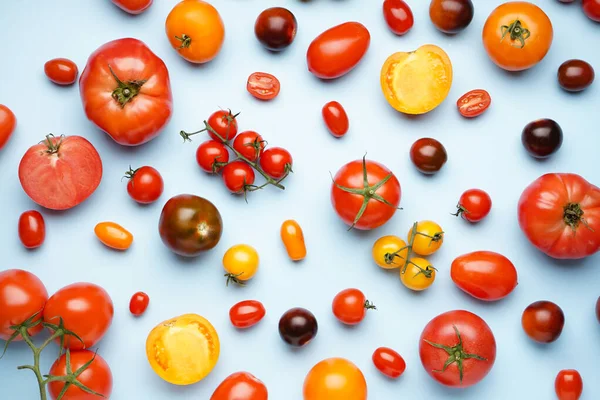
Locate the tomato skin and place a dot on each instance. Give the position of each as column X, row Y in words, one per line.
column 249, row 144
column 398, row 16
column 53, row 160
column 97, row 376
column 474, row 205
column 139, row 303
column 568, row 385
column 113, row 235
column 22, row 294
column 32, row 229
column 335, row 379
column 389, row 362
column 338, row 50
column 61, row 71
column 142, row 111
column 237, row 176
column 276, row 162
column 485, row 275
column 8, row 122
column 474, row 103
column 543, row 321
column 550, row 226
column 335, row 118
column 293, row 240
column 591, row 8
column 145, row 185
column 133, row 7
column 350, row 306
column 224, row 123
column 85, row 309
column 241, row 386
column 209, row 153
column 263, row 86
column 247, row 313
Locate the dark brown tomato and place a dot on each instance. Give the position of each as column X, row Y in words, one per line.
column 542, row 138
column 543, row 321
column 297, row 327
column 451, row 16
column 428, row 155
column 575, row 75
column 275, row 28
column 598, row 309
column 190, row 225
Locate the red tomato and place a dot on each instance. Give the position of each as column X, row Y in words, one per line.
column 249, row 144
column 22, row 295
column 350, row 193
column 86, row 309
column 32, row 229
column 276, row 162
column 61, row 172
column 237, row 176
column 350, row 306
column 139, row 303
column 133, row 6
column 246, row 313
column 568, row 385
column 210, row 153
column 457, row 348
column 560, row 215
column 338, row 50
column 389, row 362
column 263, row 86
column 474, row 103
column 484, row 275
column 223, row 125
column 125, row 91
column 61, row 71
column 8, row 122
column 145, row 184
column 241, row 386
column 96, row 377
column 335, row 118
column 398, row 16
column 591, row 8
column 474, row 205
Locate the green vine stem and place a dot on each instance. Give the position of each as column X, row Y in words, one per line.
column 389, row 257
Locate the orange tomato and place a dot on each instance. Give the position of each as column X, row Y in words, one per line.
column 293, row 240
column 195, row 29
column 517, row 35
column 7, row 124
column 335, row 379
column 416, row 82
column 113, row 235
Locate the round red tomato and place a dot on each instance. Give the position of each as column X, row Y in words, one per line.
column 241, row 386
column 365, row 203
column 246, row 313
column 474, row 103
column 338, row 50
column 22, row 295
column 96, row 377
column 335, row 118
column 263, row 86
column 276, row 162
column 591, row 8
column 560, row 215
column 139, row 303
column 86, row 309
column 8, row 122
column 223, row 125
column 457, row 348
column 389, row 362
column 249, row 144
column 125, row 91
column 61, row 71
column 238, row 176
column 145, row 184
column 398, row 16
column 474, row 205
column 61, row 172
column 568, row 385
column 350, row 306
column 133, row 6
column 32, row 229
column 210, row 154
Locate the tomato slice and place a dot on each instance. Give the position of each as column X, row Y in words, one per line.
column 263, row 86
column 474, row 103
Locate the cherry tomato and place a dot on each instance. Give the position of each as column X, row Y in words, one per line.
column 276, row 162
column 335, row 379
column 241, row 386
column 543, row 321
column 390, row 252
column 139, row 303
column 113, row 235
column 240, row 263
column 22, row 295
column 210, row 154
column 96, row 376
column 145, row 184
column 238, row 176
column 61, row 71
column 293, row 240
column 389, row 362
column 86, row 309
column 575, row 75
column 429, row 237
column 8, row 122
column 263, row 86
column 275, row 28
column 428, row 155
column 249, row 144
column 224, row 124
column 542, row 138
column 398, row 16
column 134, row 7
column 418, row 275
column 474, row 205
column 568, row 385
column 247, row 313
column 32, row 229
column 350, row 306
column 591, row 8
column 474, row 103
column 297, row 327
column 451, row 16
column 335, row 118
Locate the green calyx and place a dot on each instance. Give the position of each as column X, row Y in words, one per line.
column 369, row 306
column 185, row 40
column 52, row 148
column 125, row 91
column 516, row 32
column 573, row 215
column 70, row 379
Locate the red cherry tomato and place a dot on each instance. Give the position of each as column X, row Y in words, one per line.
column 591, row 8
column 139, row 303
column 389, row 362
column 97, row 377
column 145, row 184
column 61, row 71
column 474, row 205
column 350, row 306
column 7, row 124
column 133, row 6
column 224, row 124
column 246, row 313
column 237, row 176
column 276, row 162
column 568, row 385
column 249, row 144
column 398, row 16
column 241, row 386
column 474, row 103
column 211, row 152
column 335, row 118
column 32, row 229
column 263, row 86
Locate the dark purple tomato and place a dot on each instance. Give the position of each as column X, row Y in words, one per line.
column 567, row 1
column 297, row 327
column 428, row 155
column 275, row 28
column 575, row 75
column 542, row 138
column 543, row 321
column 451, row 16
column 598, row 309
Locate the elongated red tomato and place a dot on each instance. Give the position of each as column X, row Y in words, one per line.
column 568, row 385
column 338, row 50
column 126, row 92
column 241, row 386
column 484, row 275
column 398, row 16
column 474, row 103
column 389, row 362
column 246, row 313
column 61, row 71
column 335, row 118
column 139, row 303
column 133, row 6
column 32, row 229
column 8, row 122
column 263, row 86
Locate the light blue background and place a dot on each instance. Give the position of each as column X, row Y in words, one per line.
column 485, row 152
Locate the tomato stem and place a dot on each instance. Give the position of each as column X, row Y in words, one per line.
column 369, row 306
column 517, row 32
column 573, row 215
column 234, row 278
column 125, row 91
column 460, row 211
column 185, row 40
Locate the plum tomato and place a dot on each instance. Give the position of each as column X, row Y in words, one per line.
column 8, row 122
column 96, row 377
column 139, row 303
column 32, row 229
column 249, row 144
column 133, row 7
column 575, row 75
column 542, row 138
column 568, row 385
column 350, row 306
column 247, row 313
column 335, row 379
column 241, row 386
column 238, row 177
column 275, row 28
column 240, row 263
column 223, row 125
column 113, row 235
column 398, row 16
column 543, row 321
column 418, row 274
column 297, row 327
column 451, row 16
column 212, row 156
column 61, row 71
column 428, row 238
column 428, row 155
column 145, row 184
column 591, row 8
column 276, row 162
column 389, row 362
column 474, row 205
column 390, row 252
column 335, row 118
column 293, row 240
column 474, row 103
column 263, row 86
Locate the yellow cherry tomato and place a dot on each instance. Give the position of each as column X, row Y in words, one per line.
column 183, row 350
column 428, row 238
column 387, row 252
column 113, row 235
column 240, row 263
column 293, row 240
column 419, row 274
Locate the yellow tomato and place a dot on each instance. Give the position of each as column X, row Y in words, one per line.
column 183, row 350
column 386, row 252
column 335, row 379
column 419, row 274
column 293, row 240
column 240, row 263
column 428, row 238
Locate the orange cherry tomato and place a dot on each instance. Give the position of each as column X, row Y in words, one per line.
column 335, row 118
column 8, row 121
column 195, row 29
column 134, row 7
column 113, row 235
column 335, row 379
column 241, row 386
column 517, row 35
column 293, row 240
column 32, row 229
column 474, row 103
column 263, row 86
column 61, row 71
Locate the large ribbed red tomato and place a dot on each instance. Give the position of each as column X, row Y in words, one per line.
column 241, row 386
